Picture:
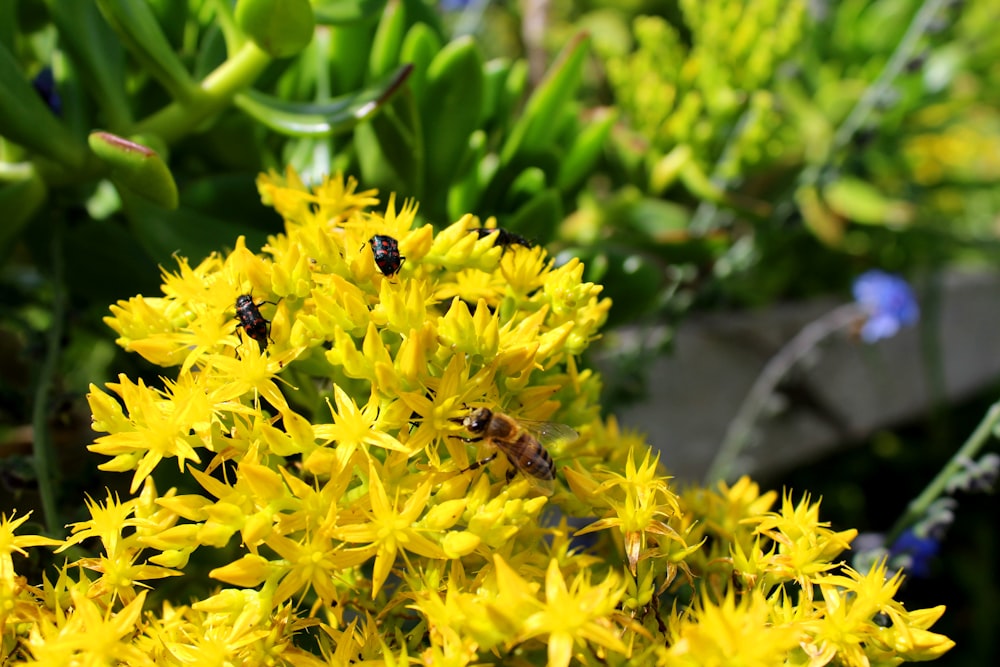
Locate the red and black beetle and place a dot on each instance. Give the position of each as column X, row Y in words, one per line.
column 256, row 326
column 386, row 252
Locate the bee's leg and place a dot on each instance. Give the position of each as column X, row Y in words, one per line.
column 458, row 437
column 511, row 471
column 480, row 464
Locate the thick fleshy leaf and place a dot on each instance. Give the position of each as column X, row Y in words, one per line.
column 97, row 57
column 585, row 149
column 535, row 127
column 183, row 230
column 115, row 265
column 281, row 28
column 334, row 12
column 463, row 195
column 826, row 225
column 420, row 46
column 26, row 120
column 390, row 148
column 136, row 25
column 136, row 167
column 452, row 110
column 495, row 74
column 303, row 119
column 526, row 186
column 631, row 279
column 862, row 202
column 384, row 55
column 539, row 217
column 19, row 202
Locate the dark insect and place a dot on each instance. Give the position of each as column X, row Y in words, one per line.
column 387, row 257
column 248, row 313
column 522, row 448
column 504, row 238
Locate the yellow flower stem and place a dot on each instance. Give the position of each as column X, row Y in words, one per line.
column 45, row 469
column 918, row 506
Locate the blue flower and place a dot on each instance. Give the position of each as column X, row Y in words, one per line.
column 917, row 550
column 453, row 5
column 888, row 303
column 45, row 85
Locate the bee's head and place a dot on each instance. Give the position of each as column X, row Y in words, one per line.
column 476, row 421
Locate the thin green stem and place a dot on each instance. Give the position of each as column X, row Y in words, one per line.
column 705, row 219
column 968, row 451
column 44, row 458
column 216, row 93
column 764, row 387
column 868, row 101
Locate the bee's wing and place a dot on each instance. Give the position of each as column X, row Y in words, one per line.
column 545, row 487
column 549, row 432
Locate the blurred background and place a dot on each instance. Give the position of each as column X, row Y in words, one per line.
column 725, row 168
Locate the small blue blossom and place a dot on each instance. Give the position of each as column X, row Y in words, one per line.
column 888, row 303
column 45, row 85
column 918, row 550
column 453, row 5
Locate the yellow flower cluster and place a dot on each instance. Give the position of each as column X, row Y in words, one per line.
column 333, row 487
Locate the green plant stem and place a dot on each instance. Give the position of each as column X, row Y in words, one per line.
column 875, row 92
column 918, row 506
column 705, row 218
column 741, row 427
column 44, row 459
column 216, row 93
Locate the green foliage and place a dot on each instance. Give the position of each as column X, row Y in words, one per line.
column 800, row 141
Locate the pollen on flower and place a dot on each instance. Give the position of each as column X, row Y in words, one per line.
column 331, row 487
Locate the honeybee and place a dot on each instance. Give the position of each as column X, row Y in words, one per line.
column 524, row 450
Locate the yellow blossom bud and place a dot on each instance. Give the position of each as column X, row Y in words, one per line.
column 457, row 544
column 443, row 516
column 246, row 572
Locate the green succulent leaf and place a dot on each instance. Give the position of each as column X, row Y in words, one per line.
column 384, row 55
column 26, row 120
column 631, row 280
column 454, row 99
column 390, row 148
column 585, row 150
column 97, row 57
column 19, row 201
column 862, row 202
column 536, row 127
column 464, row 194
column 136, row 25
column 281, row 28
column 420, row 46
column 513, row 93
column 303, row 119
column 525, row 186
column 348, row 71
column 495, row 74
column 339, row 12
column 539, row 217
column 182, row 231
column 136, row 168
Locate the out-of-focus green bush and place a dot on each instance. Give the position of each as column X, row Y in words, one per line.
column 772, row 149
